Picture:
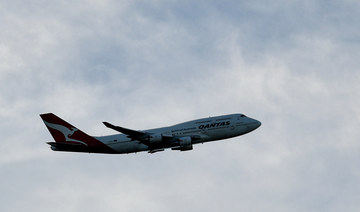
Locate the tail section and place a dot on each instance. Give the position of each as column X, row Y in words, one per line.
column 69, row 138
column 62, row 131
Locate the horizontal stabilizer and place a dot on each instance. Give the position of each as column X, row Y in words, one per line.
column 66, row 146
column 61, row 144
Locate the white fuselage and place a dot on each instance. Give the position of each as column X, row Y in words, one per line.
column 200, row 130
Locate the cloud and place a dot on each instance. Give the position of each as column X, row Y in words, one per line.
column 292, row 65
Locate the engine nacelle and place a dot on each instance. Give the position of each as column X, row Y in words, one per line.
column 185, row 141
column 155, row 138
column 185, row 144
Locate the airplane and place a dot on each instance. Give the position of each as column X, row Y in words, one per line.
column 177, row 137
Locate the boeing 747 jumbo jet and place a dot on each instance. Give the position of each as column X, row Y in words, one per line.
column 177, row 137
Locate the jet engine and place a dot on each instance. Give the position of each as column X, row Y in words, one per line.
column 184, row 144
column 155, row 138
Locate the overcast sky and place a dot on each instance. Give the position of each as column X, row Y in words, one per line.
column 293, row 65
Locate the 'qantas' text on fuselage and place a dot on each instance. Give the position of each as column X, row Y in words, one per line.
column 218, row 124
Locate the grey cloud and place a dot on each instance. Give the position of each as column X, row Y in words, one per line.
column 292, row 65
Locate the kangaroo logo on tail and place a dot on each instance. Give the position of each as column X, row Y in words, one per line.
column 65, row 131
column 68, row 138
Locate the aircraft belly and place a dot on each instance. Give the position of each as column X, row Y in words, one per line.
column 129, row 147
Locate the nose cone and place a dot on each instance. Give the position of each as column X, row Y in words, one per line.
column 254, row 124
column 257, row 124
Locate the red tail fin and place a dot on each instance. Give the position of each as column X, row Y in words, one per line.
column 65, row 133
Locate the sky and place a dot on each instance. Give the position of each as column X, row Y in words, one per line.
column 293, row 65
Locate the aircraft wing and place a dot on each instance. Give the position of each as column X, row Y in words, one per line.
column 134, row 134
